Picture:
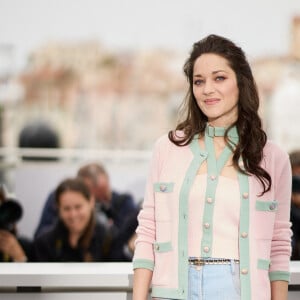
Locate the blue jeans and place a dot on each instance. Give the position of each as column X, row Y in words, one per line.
column 213, row 282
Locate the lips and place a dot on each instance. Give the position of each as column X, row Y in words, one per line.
column 211, row 101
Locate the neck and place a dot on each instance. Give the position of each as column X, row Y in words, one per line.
column 74, row 238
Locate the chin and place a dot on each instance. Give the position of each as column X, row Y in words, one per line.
column 76, row 230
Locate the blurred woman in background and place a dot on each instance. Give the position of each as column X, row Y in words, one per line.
column 77, row 236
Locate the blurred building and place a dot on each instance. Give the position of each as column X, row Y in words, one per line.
column 278, row 80
column 98, row 98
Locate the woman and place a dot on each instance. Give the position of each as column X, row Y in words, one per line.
column 76, row 237
column 215, row 219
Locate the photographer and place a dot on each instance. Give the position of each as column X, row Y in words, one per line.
column 12, row 247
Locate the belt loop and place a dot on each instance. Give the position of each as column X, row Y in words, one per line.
column 232, row 264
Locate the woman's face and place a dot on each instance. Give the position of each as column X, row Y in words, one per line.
column 215, row 89
column 75, row 211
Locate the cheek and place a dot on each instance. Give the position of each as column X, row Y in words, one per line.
column 232, row 91
column 197, row 97
column 196, row 92
column 85, row 213
column 63, row 214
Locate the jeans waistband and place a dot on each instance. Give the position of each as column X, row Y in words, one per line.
column 211, row 261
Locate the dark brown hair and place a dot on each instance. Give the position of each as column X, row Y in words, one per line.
column 77, row 185
column 252, row 138
column 91, row 171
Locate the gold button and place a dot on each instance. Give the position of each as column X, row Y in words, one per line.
column 206, row 249
column 206, row 225
column 209, row 200
column 245, row 195
column 244, row 271
column 157, row 247
column 244, row 234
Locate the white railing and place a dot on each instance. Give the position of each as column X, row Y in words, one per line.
column 81, row 281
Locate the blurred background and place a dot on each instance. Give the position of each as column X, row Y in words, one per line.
column 101, row 80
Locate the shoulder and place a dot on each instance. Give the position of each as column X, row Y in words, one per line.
column 49, row 236
column 276, row 160
column 164, row 141
column 122, row 199
column 100, row 229
column 275, row 151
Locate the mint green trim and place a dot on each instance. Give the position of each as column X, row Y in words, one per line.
column 266, row 205
column 162, row 247
column 143, row 264
column 220, row 131
column 263, row 264
column 244, row 241
column 163, row 187
column 214, row 168
column 168, row 293
column 199, row 157
column 279, row 275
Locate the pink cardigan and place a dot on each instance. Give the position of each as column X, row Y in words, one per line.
column 265, row 235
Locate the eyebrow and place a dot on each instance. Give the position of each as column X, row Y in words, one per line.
column 214, row 72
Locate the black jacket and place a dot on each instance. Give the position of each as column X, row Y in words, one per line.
column 53, row 246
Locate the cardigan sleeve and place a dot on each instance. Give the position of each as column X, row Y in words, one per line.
column 143, row 254
column 281, row 241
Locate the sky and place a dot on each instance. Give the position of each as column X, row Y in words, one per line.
column 260, row 27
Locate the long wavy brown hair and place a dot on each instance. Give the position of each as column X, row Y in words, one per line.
column 252, row 138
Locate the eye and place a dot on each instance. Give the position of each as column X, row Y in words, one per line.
column 198, row 82
column 220, row 78
column 78, row 207
column 66, row 208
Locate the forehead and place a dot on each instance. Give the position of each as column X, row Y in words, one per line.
column 71, row 198
column 208, row 63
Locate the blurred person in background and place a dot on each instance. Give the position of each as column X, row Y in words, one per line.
column 112, row 207
column 115, row 207
column 295, row 206
column 13, row 248
column 77, row 235
column 295, row 162
column 295, row 218
column 123, row 242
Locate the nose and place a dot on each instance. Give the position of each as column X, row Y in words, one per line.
column 72, row 214
column 208, row 87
